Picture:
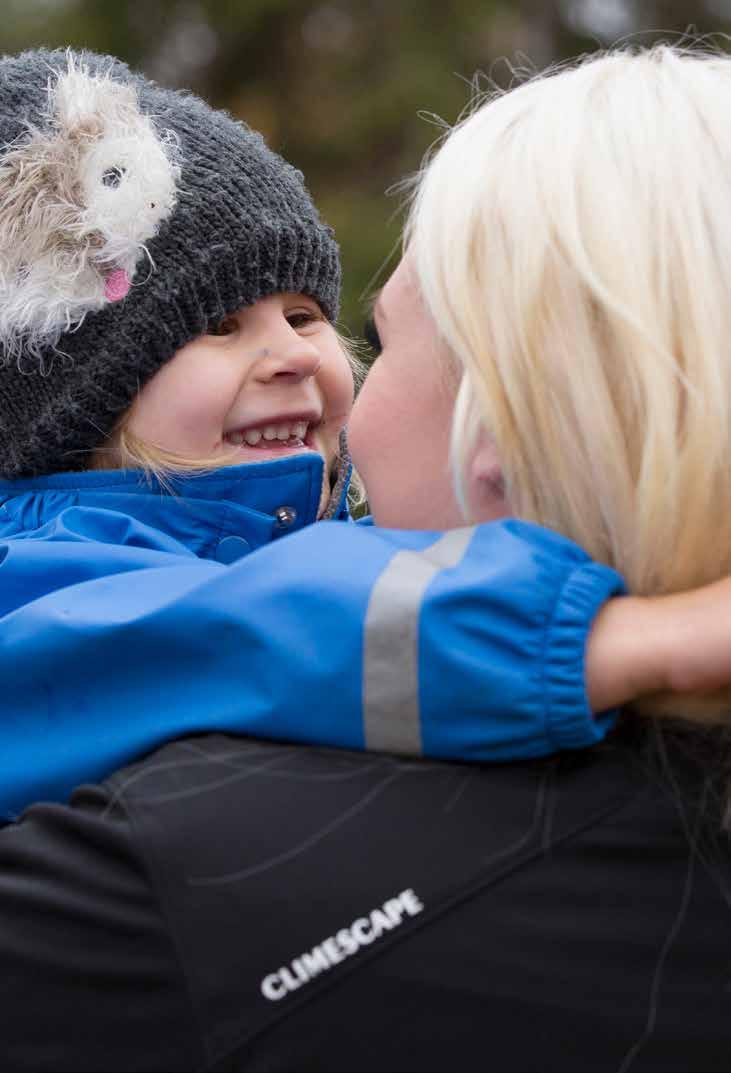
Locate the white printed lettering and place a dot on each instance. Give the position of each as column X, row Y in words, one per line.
column 334, row 955
column 289, row 981
column 315, row 961
column 410, row 902
column 300, row 971
column 394, row 910
column 272, row 987
column 361, row 934
column 381, row 922
column 346, row 942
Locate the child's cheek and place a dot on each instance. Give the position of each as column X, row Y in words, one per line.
column 181, row 410
column 339, row 385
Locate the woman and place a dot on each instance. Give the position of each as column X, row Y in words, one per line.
column 229, row 904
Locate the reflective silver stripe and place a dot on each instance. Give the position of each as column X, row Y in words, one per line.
column 391, row 716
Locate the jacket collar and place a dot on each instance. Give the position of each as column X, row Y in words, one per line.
column 253, row 503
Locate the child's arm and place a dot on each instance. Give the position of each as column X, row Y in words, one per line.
column 679, row 643
column 468, row 644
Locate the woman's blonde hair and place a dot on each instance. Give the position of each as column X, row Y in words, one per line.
column 572, row 239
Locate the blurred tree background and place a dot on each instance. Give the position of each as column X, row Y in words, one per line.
column 348, row 90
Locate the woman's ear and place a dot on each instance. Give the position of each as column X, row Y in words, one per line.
column 487, row 497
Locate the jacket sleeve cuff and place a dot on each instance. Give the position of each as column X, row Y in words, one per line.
column 570, row 722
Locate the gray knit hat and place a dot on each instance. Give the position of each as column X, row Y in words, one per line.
column 131, row 217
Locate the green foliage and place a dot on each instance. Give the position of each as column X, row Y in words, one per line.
column 338, row 87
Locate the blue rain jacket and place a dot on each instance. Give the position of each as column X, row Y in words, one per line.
column 130, row 616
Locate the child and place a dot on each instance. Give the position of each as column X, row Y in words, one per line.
column 167, row 304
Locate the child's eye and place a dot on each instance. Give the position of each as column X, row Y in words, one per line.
column 370, row 332
column 226, row 326
column 301, row 318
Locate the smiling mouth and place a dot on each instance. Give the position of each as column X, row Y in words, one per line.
column 281, row 434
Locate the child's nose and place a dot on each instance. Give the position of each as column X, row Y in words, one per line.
column 299, row 360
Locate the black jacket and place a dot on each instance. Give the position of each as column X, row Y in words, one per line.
column 232, row 905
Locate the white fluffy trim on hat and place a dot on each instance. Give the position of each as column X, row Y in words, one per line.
column 78, row 201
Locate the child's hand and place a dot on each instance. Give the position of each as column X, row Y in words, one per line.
column 679, row 643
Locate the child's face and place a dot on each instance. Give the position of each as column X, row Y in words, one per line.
column 269, row 381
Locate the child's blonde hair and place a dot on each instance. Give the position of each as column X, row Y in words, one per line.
column 572, row 239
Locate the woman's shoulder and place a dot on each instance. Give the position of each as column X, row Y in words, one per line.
column 659, row 792
column 322, row 874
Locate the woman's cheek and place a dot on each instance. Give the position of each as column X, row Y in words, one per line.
column 368, row 423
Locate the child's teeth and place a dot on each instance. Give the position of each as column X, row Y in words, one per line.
column 281, row 433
